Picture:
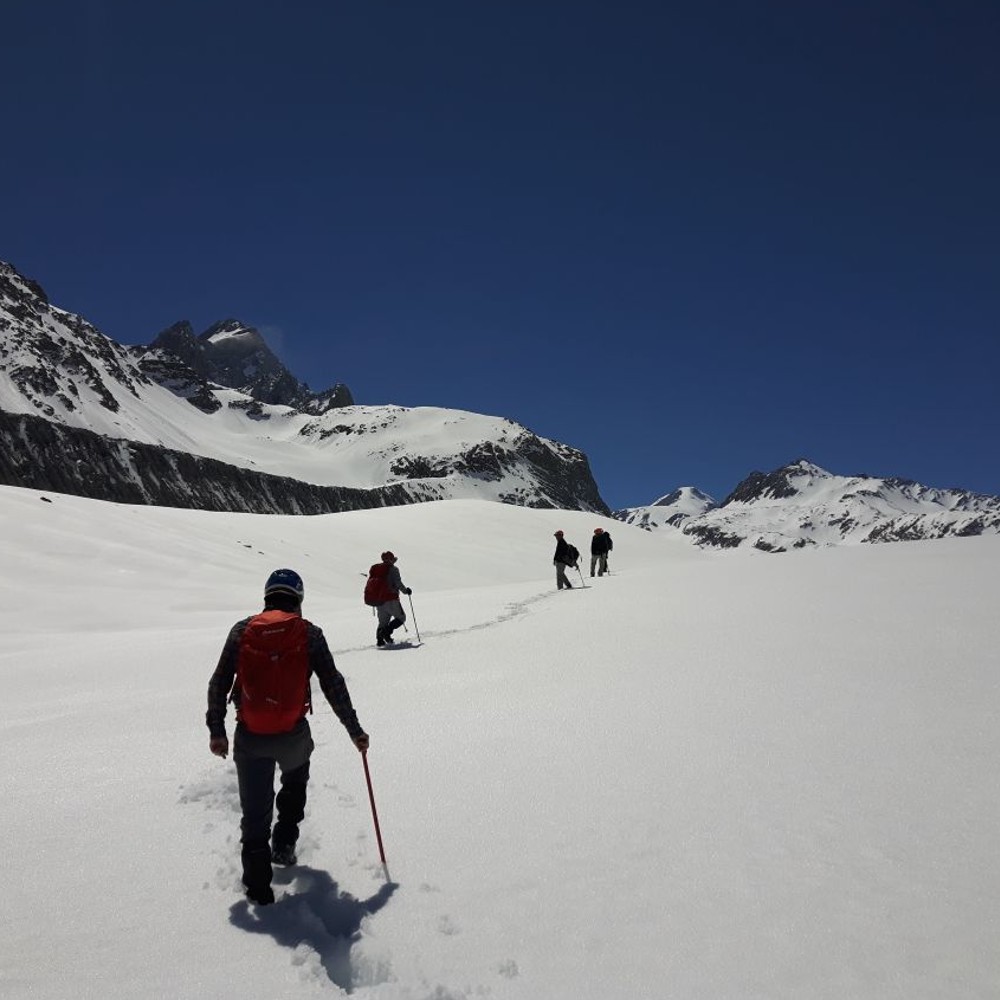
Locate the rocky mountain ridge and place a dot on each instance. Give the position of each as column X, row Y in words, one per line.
column 234, row 355
column 57, row 367
column 803, row 506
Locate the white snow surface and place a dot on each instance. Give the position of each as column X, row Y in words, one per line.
column 708, row 775
column 686, row 501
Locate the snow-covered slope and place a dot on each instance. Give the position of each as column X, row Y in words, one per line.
column 56, row 365
column 671, row 509
column 705, row 776
column 801, row 505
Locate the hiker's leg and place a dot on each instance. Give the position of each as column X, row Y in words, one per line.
column 255, row 775
column 291, row 799
column 397, row 617
column 384, row 613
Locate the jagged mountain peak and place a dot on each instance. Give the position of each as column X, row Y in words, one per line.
column 225, row 338
column 685, row 496
column 233, row 354
column 235, row 335
column 14, row 285
column 669, row 510
column 782, row 484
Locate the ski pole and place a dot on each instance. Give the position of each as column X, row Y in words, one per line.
column 416, row 627
column 580, row 571
column 371, row 799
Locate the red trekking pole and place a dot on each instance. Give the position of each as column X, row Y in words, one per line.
column 371, row 799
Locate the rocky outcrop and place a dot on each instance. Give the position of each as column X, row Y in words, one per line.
column 234, row 355
column 41, row 455
column 52, row 356
column 553, row 475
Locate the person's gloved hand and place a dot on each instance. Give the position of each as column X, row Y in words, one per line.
column 408, row 591
column 219, row 745
column 362, row 741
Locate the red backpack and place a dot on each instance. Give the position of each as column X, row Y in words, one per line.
column 377, row 590
column 272, row 672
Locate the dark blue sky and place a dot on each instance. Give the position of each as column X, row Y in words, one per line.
column 692, row 240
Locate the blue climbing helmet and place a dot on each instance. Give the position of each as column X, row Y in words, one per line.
column 285, row 581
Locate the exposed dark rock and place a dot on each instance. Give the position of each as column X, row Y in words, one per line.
column 766, row 546
column 562, row 472
column 231, row 354
column 417, row 467
column 710, row 535
column 166, row 370
column 760, row 485
column 38, row 454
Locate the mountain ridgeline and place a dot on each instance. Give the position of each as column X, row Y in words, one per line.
column 215, row 421
column 802, row 506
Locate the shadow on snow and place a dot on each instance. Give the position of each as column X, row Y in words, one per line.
column 313, row 912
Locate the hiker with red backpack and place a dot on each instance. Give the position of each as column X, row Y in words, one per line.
column 264, row 670
column 382, row 592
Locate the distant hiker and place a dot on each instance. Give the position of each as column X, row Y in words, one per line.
column 382, row 592
column 264, row 670
column 566, row 555
column 600, row 546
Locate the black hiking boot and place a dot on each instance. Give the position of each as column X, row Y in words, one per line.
column 291, row 806
column 283, row 854
column 261, row 896
column 257, row 873
column 380, row 639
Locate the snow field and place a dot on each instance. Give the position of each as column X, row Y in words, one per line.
column 707, row 775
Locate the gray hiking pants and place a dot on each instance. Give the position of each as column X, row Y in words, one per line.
column 390, row 610
column 256, row 756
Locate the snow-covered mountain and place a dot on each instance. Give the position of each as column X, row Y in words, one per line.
column 671, row 509
column 209, row 422
column 801, row 505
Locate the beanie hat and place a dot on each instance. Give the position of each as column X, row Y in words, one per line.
column 387, row 556
column 559, row 534
column 285, row 581
column 598, row 531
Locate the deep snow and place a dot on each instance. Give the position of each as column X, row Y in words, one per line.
column 709, row 775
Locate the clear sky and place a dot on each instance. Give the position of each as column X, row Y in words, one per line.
column 690, row 239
